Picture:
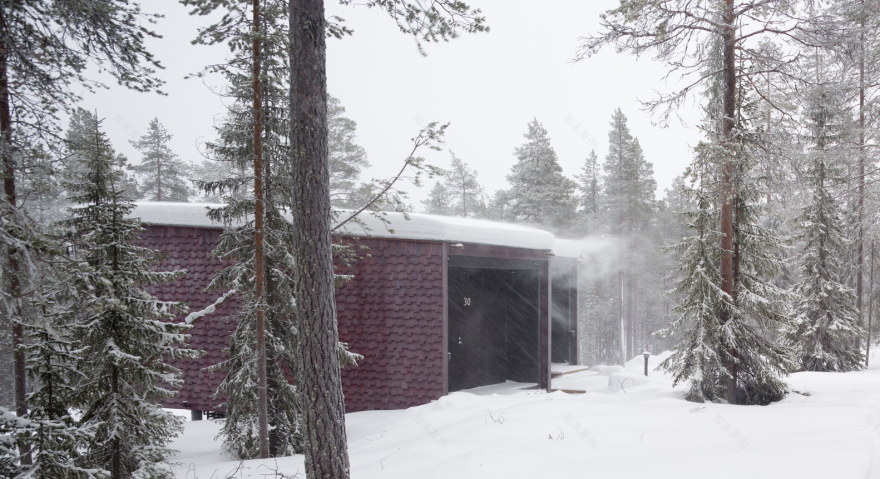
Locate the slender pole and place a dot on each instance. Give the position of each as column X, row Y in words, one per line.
column 860, row 255
column 259, row 265
column 870, row 305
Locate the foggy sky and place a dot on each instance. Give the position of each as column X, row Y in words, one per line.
column 487, row 86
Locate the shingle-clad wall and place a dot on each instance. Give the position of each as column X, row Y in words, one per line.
column 392, row 313
column 188, row 248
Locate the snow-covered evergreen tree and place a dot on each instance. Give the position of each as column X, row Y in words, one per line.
column 125, row 332
column 459, row 194
column 539, row 194
column 826, row 329
column 628, row 207
column 163, row 176
column 57, row 440
column 589, row 186
column 347, row 158
column 697, row 358
column 439, row 200
column 629, row 183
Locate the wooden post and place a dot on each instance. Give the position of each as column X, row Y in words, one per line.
column 544, row 324
column 573, row 315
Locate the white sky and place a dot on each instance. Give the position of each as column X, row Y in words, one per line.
column 487, row 86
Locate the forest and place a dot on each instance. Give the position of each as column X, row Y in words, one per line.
column 756, row 263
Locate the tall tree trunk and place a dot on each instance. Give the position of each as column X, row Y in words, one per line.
column 860, row 253
column 727, row 190
column 116, row 453
column 18, row 356
column 326, row 448
column 621, row 347
column 259, row 265
column 870, row 306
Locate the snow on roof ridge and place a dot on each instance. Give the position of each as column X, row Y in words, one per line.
column 420, row 226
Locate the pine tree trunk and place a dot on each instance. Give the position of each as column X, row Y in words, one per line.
column 860, row 254
column 870, row 306
column 727, row 190
column 116, row 453
column 18, row 356
column 259, row 265
column 326, row 449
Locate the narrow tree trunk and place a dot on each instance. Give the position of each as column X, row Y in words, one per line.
column 727, row 190
column 621, row 347
column 18, row 356
column 860, row 253
column 870, row 306
column 326, row 448
column 116, row 453
column 259, row 265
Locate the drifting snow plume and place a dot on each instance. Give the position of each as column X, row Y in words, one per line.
column 598, row 254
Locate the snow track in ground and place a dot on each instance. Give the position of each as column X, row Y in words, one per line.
column 646, row 430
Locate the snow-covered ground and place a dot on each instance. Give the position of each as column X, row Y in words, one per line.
column 624, row 426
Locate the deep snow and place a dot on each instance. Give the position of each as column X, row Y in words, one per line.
column 625, row 426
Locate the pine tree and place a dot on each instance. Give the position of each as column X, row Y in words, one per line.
column 459, row 194
column 539, row 194
column 707, row 42
column 163, row 175
column 826, row 327
column 326, row 449
column 126, row 333
column 234, row 147
column 347, row 158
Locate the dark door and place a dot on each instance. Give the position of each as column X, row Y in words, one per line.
column 477, row 329
column 493, row 326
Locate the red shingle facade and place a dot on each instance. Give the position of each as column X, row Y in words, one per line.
column 392, row 313
column 188, row 248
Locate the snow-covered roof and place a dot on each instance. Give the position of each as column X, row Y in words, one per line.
column 419, row 226
column 453, row 229
column 175, row 214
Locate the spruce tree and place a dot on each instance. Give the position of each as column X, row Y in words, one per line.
column 57, row 440
column 697, row 358
column 539, row 194
column 126, row 333
column 628, row 206
column 826, row 329
column 46, row 47
column 589, row 188
column 163, row 176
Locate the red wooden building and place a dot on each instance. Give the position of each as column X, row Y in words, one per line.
column 440, row 304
